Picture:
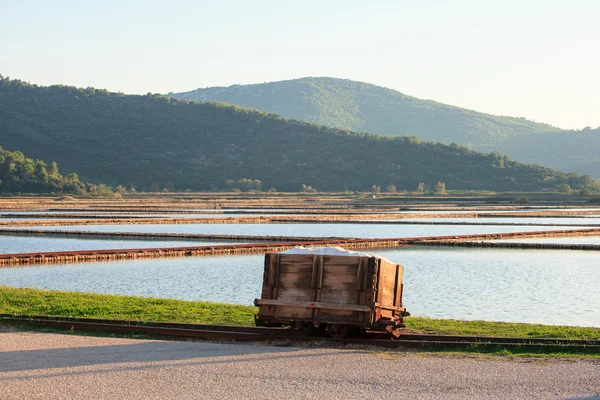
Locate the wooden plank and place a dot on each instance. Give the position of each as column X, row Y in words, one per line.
column 401, row 293
column 271, row 270
column 314, row 273
column 277, row 270
column 292, row 312
column 361, row 275
column 296, row 258
column 294, row 294
column 343, row 260
column 266, row 270
column 388, row 286
column 274, row 276
column 321, row 266
column 396, row 288
column 387, row 283
column 362, row 266
column 311, row 304
column 318, row 267
column 391, row 308
column 342, row 316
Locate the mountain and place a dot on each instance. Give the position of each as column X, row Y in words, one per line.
column 20, row 174
column 573, row 151
column 358, row 106
column 156, row 142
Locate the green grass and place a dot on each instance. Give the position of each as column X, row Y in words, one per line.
column 500, row 329
column 74, row 304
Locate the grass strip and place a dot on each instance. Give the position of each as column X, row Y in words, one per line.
column 74, row 304
column 88, row 305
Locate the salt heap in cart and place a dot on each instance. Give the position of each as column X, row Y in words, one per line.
column 343, row 292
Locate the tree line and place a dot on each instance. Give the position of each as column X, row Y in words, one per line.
column 21, row 174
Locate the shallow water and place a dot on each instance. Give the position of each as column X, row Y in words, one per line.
column 535, row 286
column 10, row 244
column 29, row 215
column 538, row 221
column 559, row 240
column 357, row 230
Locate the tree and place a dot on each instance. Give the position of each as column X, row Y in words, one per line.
column 244, row 184
column 375, row 189
column 121, row 189
column 391, row 189
column 53, row 170
column 522, row 200
column 102, row 190
column 440, row 188
column 308, row 189
column 563, row 188
column 41, row 173
column 421, row 187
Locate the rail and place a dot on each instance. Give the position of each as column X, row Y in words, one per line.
column 256, row 334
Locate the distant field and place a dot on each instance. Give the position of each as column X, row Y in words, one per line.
column 315, row 202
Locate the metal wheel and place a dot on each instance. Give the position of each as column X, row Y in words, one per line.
column 303, row 328
column 393, row 332
column 337, row 331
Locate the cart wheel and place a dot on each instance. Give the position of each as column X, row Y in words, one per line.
column 337, row 331
column 303, row 328
column 393, row 332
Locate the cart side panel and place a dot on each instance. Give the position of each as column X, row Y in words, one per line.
column 387, row 288
column 295, row 284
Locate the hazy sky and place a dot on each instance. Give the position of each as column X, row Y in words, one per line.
column 536, row 59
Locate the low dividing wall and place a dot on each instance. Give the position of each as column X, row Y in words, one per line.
column 260, row 248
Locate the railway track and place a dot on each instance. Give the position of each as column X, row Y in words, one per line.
column 256, row 334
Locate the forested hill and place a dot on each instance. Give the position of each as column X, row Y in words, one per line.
column 21, row 174
column 155, row 142
column 575, row 151
column 359, row 106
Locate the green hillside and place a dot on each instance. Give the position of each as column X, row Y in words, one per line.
column 156, row 142
column 359, row 106
column 573, row 151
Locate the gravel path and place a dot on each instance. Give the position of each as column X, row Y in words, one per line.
column 52, row 366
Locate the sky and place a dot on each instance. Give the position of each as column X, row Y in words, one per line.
column 524, row 58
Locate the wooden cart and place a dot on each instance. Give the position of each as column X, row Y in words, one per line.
column 340, row 293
